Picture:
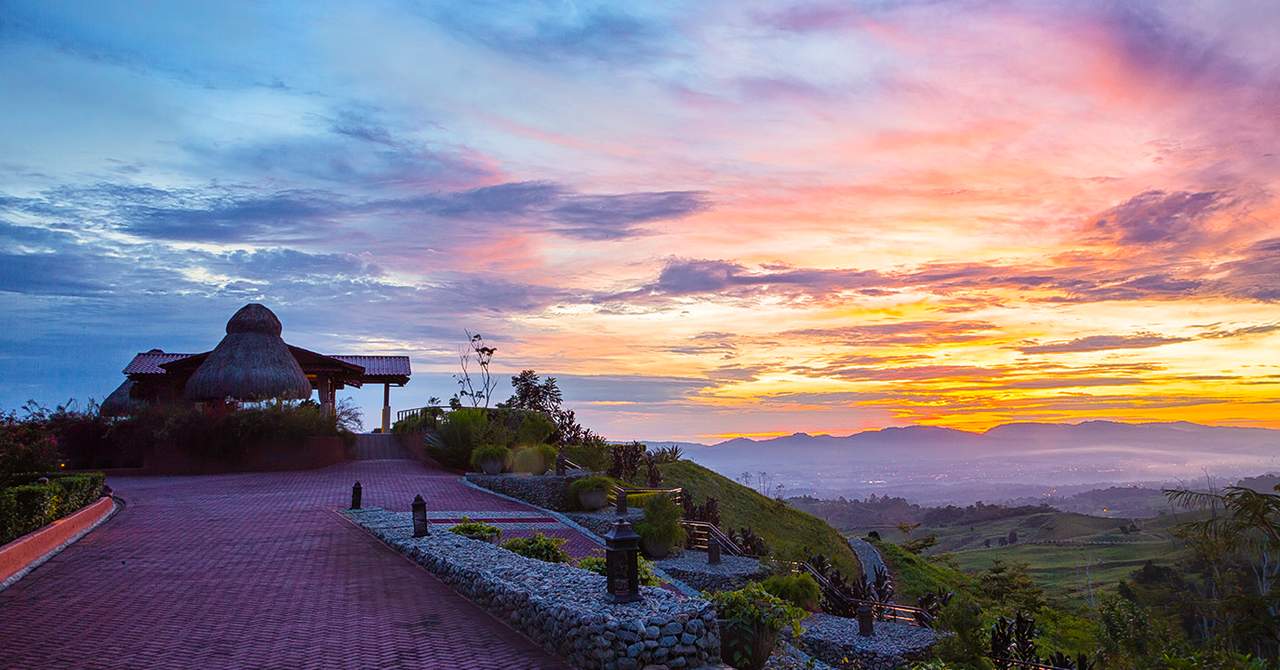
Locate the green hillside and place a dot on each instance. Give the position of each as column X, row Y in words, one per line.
column 1067, row 554
column 790, row 533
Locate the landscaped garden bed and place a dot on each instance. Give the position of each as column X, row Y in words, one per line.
column 732, row 572
column 561, row 607
column 894, row 645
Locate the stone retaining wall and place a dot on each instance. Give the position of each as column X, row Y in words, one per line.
column 548, row 491
column 560, row 607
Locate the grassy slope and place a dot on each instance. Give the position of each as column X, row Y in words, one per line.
column 788, row 531
column 916, row 575
column 1097, row 555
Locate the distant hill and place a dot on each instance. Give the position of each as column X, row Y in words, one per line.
column 934, row 465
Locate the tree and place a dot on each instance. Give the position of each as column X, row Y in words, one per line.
column 1245, row 523
column 539, row 394
column 475, row 349
column 1009, row 584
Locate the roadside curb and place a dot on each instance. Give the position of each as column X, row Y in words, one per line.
column 16, row 558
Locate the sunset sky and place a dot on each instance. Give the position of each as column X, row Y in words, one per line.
column 707, row 219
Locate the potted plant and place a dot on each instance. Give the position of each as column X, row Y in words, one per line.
column 750, row 620
column 592, row 493
column 660, row 530
column 490, row 458
column 477, row 530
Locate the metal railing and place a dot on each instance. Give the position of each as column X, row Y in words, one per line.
column 403, row 414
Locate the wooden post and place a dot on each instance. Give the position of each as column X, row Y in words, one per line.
column 325, row 386
column 386, row 408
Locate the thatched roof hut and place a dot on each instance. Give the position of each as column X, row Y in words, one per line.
column 121, row 402
column 251, row 363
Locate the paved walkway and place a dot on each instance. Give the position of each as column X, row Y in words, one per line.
column 258, row 571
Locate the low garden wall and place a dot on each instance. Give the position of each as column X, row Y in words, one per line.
column 548, row 491
column 562, row 608
column 313, row 452
column 894, row 645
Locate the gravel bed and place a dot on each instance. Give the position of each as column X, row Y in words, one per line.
column 869, row 557
column 562, row 608
column 894, row 645
column 691, row 567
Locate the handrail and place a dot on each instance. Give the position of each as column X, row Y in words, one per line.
column 677, row 494
column 713, row 531
column 915, row 616
column 1028, row 665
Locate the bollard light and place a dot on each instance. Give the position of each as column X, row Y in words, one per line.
column 420, row 527
column 561, row 463
column 356, row 493
column 866, row 622
column 713, row 551
column 621, row 502
column 622, row 562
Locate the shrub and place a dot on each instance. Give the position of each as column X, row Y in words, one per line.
column 755, row 611
column 661, row 523
column 490, row 452
column 535, row 459
column 593, row 456
column 79, row 490
column 534, row 428
column 596, row 564
column 638, row 500
column 25, row 446
column 476, row 530
column 539, row 546
column 461, row 431
column 427, row 419
column 26, row 508
column 594, row 483
column 801, row 590
column 624, row 461
column 671, row 454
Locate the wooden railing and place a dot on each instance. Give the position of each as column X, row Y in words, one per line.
column 701, row 533
column 1010, row 664
column 914, row 616
column 677, row 494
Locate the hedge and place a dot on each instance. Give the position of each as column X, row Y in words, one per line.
column 28, row 507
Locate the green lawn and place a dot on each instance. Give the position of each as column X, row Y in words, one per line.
column 790, row 533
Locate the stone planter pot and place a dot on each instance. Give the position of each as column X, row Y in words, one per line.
column 492, row 466
column 745, row 646
column 654, row 549
column 593, row 500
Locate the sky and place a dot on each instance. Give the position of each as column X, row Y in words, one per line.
column 706, row 219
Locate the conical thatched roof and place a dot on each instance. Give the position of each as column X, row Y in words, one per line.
column 250, row 363
column 120, row 402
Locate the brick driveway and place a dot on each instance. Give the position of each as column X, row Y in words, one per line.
column 257, row 571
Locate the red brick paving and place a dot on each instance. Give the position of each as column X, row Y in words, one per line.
column 258, row 571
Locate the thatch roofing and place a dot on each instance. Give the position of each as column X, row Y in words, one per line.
column 120, row 402
column 250, row 363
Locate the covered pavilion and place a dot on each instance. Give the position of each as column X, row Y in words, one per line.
column 253, row 363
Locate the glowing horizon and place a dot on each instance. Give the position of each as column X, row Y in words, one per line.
column 709, row 220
